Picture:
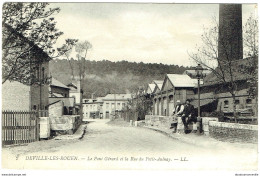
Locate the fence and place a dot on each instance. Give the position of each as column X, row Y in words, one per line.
column 20, row 127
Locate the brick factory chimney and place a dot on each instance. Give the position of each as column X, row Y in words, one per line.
column 230, row 44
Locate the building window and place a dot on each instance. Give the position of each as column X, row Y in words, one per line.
column 86, row 106
column 248, row 101
column 112, row 105
column 90, row 106
column 118, row 106
column 237, row 102
column 123, row 105
column 226, row 104
column 107, row 105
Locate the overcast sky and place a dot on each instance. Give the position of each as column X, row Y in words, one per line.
column 151, row 33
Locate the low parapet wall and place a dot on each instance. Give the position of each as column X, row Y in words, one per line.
column 158, row 121
column 233, row 132
column 66, row 123
column 164, row 122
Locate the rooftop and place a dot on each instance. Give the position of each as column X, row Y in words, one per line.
column 151, row 87
column 238, row 73
column 117, row 96
column 180, row 80
column 56, row 83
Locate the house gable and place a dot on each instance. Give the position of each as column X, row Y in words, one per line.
column 167, row 84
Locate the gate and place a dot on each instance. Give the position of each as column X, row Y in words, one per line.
column 20, row 127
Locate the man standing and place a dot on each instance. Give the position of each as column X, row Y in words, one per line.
column 176, row 113
column 188, row 115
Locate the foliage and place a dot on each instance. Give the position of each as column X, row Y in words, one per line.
column 250, row 40
column 223, row 68
column 140, row 104
column 66, row 50
column 143, row 104
column 82, row 50
column 103, row 77
column 29, row 31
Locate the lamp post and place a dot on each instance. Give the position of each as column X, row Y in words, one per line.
column 199, row 75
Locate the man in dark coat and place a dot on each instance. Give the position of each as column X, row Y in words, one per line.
column 188, row 115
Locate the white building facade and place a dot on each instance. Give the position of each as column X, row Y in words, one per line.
column 104, row 107
column 113, row 103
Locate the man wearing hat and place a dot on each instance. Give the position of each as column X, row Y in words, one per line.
column 188, row 115
column 177, row 111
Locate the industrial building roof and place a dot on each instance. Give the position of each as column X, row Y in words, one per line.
column 181, row 80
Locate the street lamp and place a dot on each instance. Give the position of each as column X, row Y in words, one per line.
column 199, row 75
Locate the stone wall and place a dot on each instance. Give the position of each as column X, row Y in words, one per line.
column 164, row 122
column 205, row 124
column 56, row 109
column 66, row 124
column 158, row 121
column 15, row 96
column 233, row 132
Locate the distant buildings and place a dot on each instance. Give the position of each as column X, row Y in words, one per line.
column 92, row 108
column 105, row 107
column 113, row 103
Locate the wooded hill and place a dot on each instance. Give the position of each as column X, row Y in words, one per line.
column 103, row 77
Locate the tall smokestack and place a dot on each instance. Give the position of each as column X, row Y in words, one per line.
column 230, row 44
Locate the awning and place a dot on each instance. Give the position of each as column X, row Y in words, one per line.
column 203, row 102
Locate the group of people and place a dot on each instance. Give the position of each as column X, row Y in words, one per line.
column 186, row 112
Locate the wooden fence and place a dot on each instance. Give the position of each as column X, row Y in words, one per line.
column 20, row 127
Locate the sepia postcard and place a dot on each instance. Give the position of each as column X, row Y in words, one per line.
column 129, row 86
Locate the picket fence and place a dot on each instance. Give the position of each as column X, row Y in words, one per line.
column 19, row 127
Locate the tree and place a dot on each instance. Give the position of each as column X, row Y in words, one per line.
column 141, row 104
column 82, row 49
column 28, row 28
column 66, row 50
column 250, row 40
column 224, row 69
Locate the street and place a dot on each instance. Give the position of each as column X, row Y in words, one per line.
column 108, row 146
